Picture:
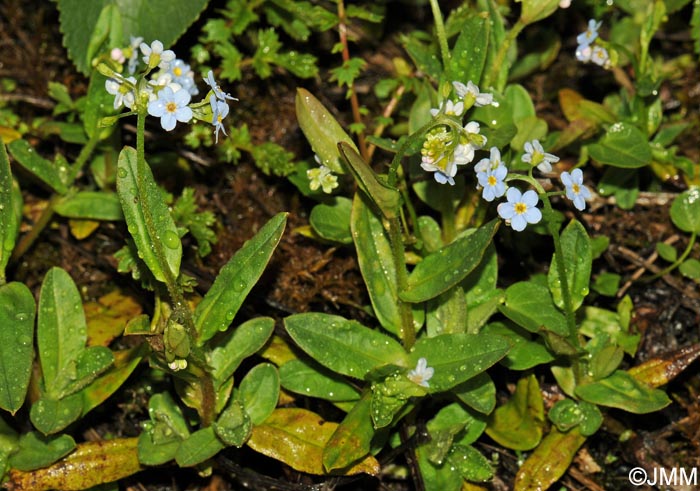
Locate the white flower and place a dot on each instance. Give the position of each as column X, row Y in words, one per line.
column 474, row 96
column 492, row 162
column 171, row 107
column 600, row 56
column 422, row 373
column 520, row 209
column 155, row 56
column 122, row 89
column 322, row 177
column 134, row 58
column 451, row 109
column 535, row 155
column 219, row 110
column 211, row 82
column 575, row 190
column 584, row 53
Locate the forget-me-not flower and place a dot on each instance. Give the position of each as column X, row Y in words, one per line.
column 575, row 190
column 322, row 177
column 219, row 110
column 122, row 90
column 520, row 209
column 471, row 95
column 536, row 156
column 171, row 107
column 211, row 82
column 590, row 34
column 154, row 55
column 451, row 109
column 181, row 74
column 599, row 56
column 422, row 373
column 492, row 182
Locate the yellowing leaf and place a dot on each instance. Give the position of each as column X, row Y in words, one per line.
column 107, row 317
column 297, row 437
column 81, row 229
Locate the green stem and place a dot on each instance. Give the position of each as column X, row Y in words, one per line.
column 492, row 76
column 408, row 332
column 678, row 261
column 84, row 155
column 440, row 31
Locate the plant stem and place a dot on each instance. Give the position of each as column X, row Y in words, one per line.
column 407, row 331
column 440, row 32
column 678, row 261
column 354, row 103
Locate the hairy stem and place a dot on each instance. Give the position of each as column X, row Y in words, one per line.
column 440, row 32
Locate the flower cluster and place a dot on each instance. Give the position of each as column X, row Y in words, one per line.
column 590, row 48
column 322, row 177
column 448, row 146
column 168, row 90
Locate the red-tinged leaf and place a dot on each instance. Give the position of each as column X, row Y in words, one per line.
column 297, row 437
column 549, row 461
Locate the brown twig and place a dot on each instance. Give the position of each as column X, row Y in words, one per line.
column 388, row 110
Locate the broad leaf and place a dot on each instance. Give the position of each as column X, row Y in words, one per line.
column 525, row 352
column 624, row 145
column 578, row 259
column 332, row 221
column 625, row 392
column 142, row 18
column 147, row 217
column 52, row 415
column 125, row 362
column 198, row 447
column 259, row 392
column 312, row 380
column 374, row 257
column 530, row 306
column 445, row 268
column 234, row 425
column 163, row 434
column 17, row 309
column 36, row 451
column 352, row 439
column 685, row 211
column 345, row 346
column 94, row 205
column 235, row 280
column 469, row 52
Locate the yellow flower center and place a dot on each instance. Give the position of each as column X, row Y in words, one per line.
column 177, row 71
column 492, row 180
column 520, row 208
column 576, row 188
column 171, row 107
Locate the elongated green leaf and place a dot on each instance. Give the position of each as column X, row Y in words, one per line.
column 530, row 306
column 536, row 10
column 61, row 330
column 259, row 392
column 445, row 268
column 625, row 392
column 233, row 426
column 198, row 447
column 344, row 346
column 518, row 423
column 297, row 437
column 93, row 205
column 332, row 221
column 44, row 170
column 10, row 215
column 386, row 198
column 685, row 211
column 125, row 362
column 138, row 17
column 525, row 353
column 321, row 130
column 377, row 268
column 239, row 344
column 456, row 358
column 99, row 103
column 469, row 52
column 17, row 309
column 312, row 380
column 578, row 259
column 147, row 217
column 624, row 145
column 235, row 280
column 479, row 393
column 36, row 451
column 352, row 439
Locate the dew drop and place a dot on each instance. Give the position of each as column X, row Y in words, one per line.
column 121, row 172
column 239, row 286
column 21, row 317
column 171, row 240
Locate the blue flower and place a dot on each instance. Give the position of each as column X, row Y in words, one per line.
column 492, row 183
column 219, row 110
column 590, row 34
column 181, row 74
column 211, row 82
column 575, row 190
column 171, row 107
column 520, row 209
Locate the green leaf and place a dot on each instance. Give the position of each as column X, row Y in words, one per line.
column 524, row 353
column 376, row 265
column 447, row 313
column 470, row 463
column 479, row 393
column 607, row 284
column 139, row 18
column 667, row 252
column 624, row 145
column 98, row 104
column 309, row 379
column 10, row 212
column 445, row 268
column 61, row 331
column 93, row 205
column 352, row 439
column 125, row 362
column 386, row 198
column 685, row 211
column 51, row 415
column 233, row 426
column 238, row 345
column 321, row 130
column 259, row 392
column 622, row 391
column 17, row 309
column 198, row 447
column 163, row 434
column 536, row 10
column 345, row 346
column 235, row 280
column 519, row 422
column 332, row 221
column 578, row 259
column 530, row 305
column 520, row 102
column 36, row 451
column 33, row 163
column 456, row 358
column 469, row 52
column 690, row 268
column 482, row 296
column 621, row 183
column 147, row 217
